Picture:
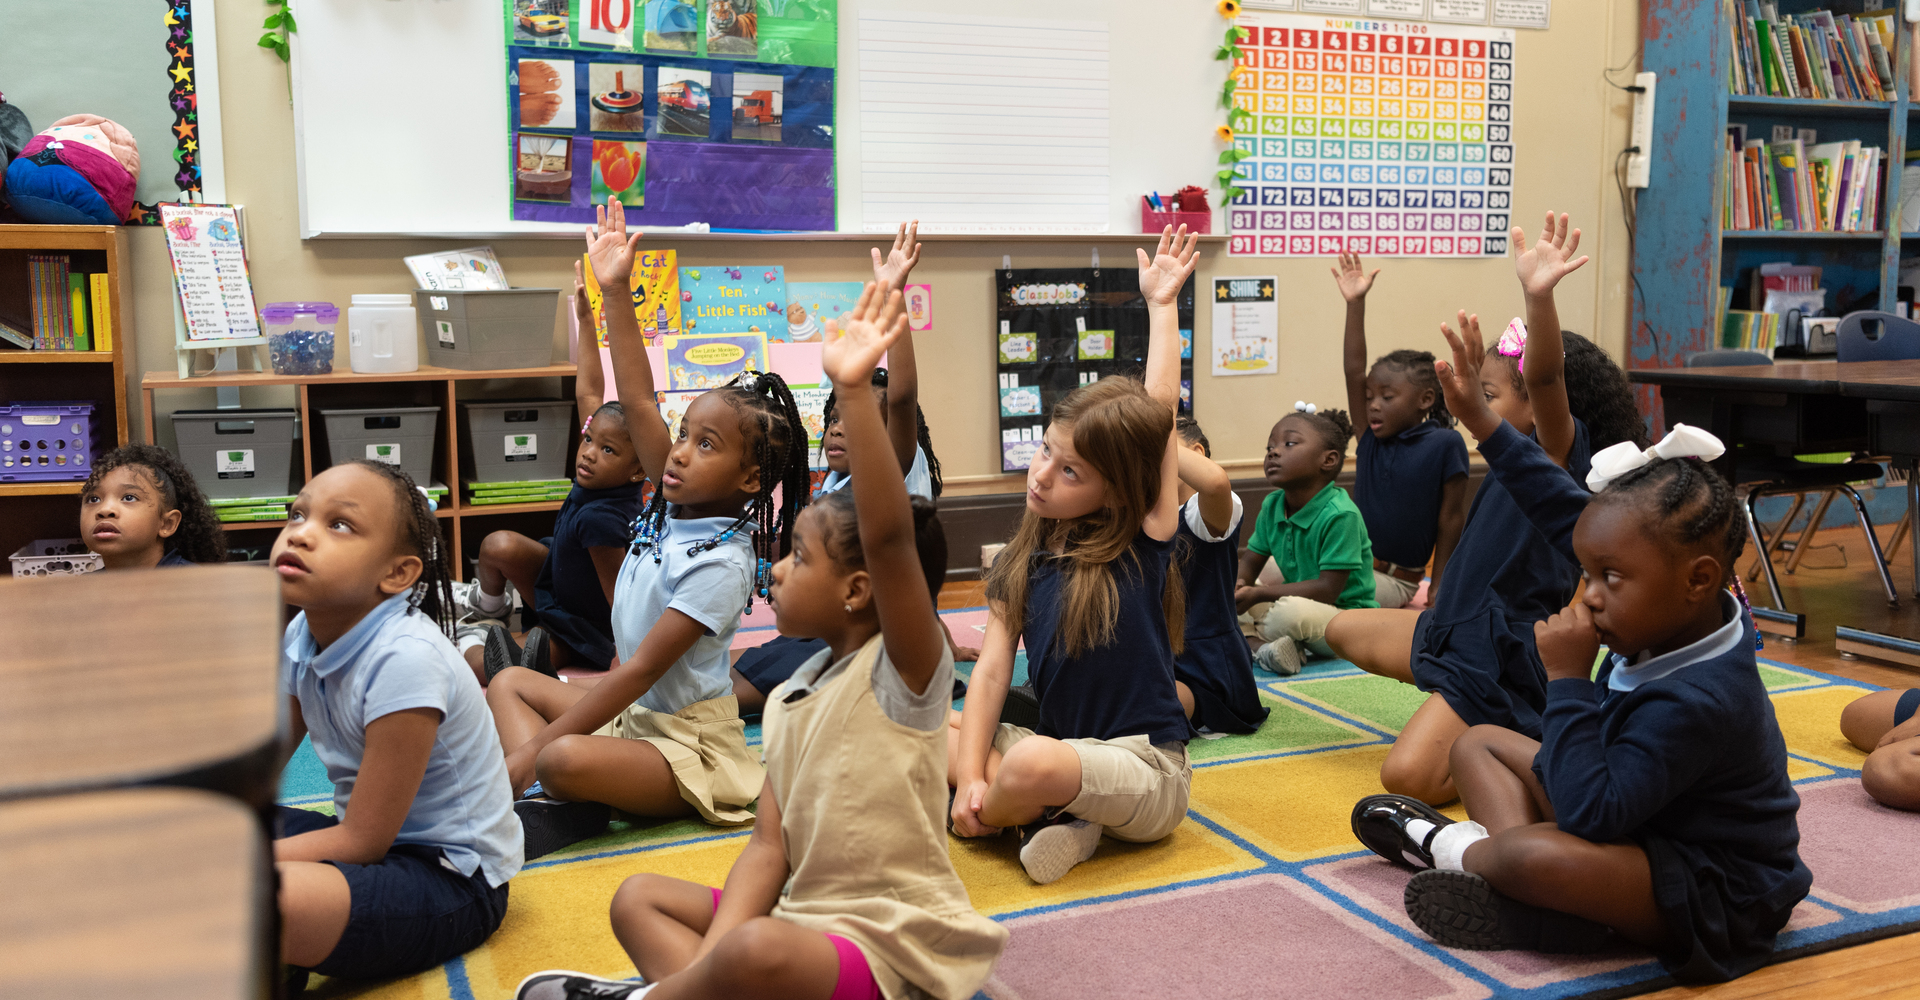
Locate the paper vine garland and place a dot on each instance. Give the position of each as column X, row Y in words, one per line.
column 1230, row 53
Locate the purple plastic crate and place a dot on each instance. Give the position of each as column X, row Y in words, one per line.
column 46, row 442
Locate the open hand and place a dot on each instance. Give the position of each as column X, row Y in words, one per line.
column 857, row 341
column 1550, row 258
column 1905, row 731
column 1353, row 280
column 1460, row 379
column 1568, row 643
column 1162, row 277
column 609, row 248
column 892, row 270
column 967, row 800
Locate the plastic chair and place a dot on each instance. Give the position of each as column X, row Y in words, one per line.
column 1765, row 475
column 1878, row 336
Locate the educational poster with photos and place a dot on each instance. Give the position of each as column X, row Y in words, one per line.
column 1062, row 328
column 712, row 111
column 1386, row 138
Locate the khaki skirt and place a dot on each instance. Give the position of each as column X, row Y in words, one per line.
column 706, row 745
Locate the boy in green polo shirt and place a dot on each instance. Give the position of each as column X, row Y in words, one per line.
column 1312, row 529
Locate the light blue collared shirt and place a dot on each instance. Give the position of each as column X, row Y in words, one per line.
column 919, row 480
column 711, row 587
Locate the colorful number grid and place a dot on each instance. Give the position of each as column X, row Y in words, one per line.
column 1377, row 137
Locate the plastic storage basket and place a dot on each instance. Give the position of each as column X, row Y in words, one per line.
column 46, row 442
column 510, row 440
column 55, row 557
column 487, row 329
column 236, row 453
column 396, row 435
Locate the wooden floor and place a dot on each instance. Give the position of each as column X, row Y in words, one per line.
column 1833, row 586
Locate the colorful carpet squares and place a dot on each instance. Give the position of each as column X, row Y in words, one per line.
column 1263, row 892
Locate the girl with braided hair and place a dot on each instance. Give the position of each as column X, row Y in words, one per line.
column 412, row 867
column 141, row 508
column 1656, row 804
column 660, row 734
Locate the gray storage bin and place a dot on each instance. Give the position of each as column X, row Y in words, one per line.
column 237, row 453
column 396, row 435
column 510, row 440
column 487, row 330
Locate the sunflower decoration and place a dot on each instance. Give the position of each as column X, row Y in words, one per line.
column 1229, row 52
column 1223, row 133
column 1228, row 9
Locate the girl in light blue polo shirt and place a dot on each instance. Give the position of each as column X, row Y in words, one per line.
column 412, row 867
column 660, row 735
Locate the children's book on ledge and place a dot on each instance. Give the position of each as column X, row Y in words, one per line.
column 1796, row 183
column 1818, row 54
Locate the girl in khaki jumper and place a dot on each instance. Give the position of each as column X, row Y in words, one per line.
column 844, row 890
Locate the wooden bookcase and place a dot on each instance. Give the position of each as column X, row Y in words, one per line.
column 52, row 510
column 1681, row 254
column 464, row 524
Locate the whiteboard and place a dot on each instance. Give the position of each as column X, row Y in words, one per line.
column 400, row 112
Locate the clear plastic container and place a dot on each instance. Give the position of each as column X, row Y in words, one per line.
column 300, row 336
column 383, row 334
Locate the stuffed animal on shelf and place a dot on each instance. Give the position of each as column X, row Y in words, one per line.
column 15, row 133
column 81, row 171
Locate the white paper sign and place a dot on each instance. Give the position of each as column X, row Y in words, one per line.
column 210, row 271
column 1246, row 326
column 1523, row 13
column 387, row 453
column 1410, row 9
column 1459, row 11
column 522, row 447
column 235, row 463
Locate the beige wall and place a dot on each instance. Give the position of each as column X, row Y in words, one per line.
column 1570, row 126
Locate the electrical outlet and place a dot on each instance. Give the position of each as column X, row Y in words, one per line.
column 1640, row 164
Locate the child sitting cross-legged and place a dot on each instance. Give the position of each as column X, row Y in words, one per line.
column 140, row 508
column 1316, row 536
column 844, row 890
column 1213, row 671
column 412, row 867
column 1656, row 805
column 1886, row 725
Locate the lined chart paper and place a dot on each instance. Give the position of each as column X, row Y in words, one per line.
column 982, row 124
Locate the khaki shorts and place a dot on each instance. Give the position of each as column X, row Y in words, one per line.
column 1137, row 790
column 706, row 745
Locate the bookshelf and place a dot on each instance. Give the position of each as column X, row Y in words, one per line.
column 464, row 524
column 52, row 509
column 1681, row 253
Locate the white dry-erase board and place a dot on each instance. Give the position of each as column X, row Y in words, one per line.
column 401, row 120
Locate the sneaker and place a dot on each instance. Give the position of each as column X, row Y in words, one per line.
column 557, row 984
column 1282, row 656
column 537, row 654
column 1052, row 847
column 1380, row 822
column 466, row 597
column 551, row 824
column 1022, row 708
column 1463, row 910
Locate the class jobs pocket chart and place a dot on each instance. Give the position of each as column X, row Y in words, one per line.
column 1389, row 138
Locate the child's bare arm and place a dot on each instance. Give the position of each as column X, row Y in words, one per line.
column 753, row 884
column 979, row 721
column 611, row 252
column 398, row 745
column 903, row 374
column 1212, row 485
column 589, row 380
column 1540, row 267
column 1160, row 283
column 1453, row 519
column 1354, row 282
column 606, row 566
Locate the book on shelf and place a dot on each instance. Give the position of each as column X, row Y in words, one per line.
column 1817, row 54
column 79, row 337
column 51, row 301
column 15, row 335
column 1747, row 330
column 1795, row 186
column 101, row 300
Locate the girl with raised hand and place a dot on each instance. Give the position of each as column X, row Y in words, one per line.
column 844, row 889
column 1087, row 582
column 1656, row 804
column 1473, row 649
column 660, row 735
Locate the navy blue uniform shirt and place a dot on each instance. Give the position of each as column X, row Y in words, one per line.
column 568, row 597
column 1396, row 485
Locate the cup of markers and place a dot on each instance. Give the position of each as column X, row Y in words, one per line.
column 300, row 336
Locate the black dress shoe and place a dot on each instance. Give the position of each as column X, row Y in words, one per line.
column 537, row 654
column 549, row 824
column 1380, row 821
column 1463, row 910
column 499, row 653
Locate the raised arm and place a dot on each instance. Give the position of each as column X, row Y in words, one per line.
column 903, row 375
column 611, row 251
column 1212, row 486
column 1354, row 283
column 854, row 345
column 1160, row 282
column 1540, row 268
column 589, row 379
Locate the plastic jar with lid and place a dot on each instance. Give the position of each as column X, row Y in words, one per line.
column 383, row 334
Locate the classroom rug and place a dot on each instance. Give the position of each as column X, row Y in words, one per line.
column 1262, row 892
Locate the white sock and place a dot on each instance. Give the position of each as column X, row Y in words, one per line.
column 467, row 642
column 491, row 604
column 1450, row 844
column 1418, row 830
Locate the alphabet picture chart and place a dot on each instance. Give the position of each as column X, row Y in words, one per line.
column 1389, row 138
column 210, row 271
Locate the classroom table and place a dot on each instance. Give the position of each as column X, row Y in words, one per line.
column 143, row 892
column 160, row 676
column 1810, row 406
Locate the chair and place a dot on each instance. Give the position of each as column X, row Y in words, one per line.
column 1878, row 336
column 1765, row 474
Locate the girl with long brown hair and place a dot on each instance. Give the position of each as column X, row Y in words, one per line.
column 1086, row 582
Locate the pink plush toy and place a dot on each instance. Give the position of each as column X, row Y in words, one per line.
column 80, row 171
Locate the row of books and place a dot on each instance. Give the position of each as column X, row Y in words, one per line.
column 1790, row 185
column 237, row 510
column 522, row 491
column 1818, row 54
column 68, row 311
column 1744, row 329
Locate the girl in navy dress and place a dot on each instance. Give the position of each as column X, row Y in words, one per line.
column 1473, row 649
column 1087, row 583
column 1656, row 803
column 141, row 508
column 1213, row 672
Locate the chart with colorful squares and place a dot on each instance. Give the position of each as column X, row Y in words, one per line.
column 1389, row 138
